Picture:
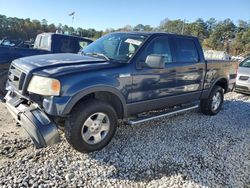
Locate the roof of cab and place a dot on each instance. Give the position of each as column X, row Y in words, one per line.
column 63, row 35
column 155, row 33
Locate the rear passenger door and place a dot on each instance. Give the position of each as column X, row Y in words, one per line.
column 189, row 70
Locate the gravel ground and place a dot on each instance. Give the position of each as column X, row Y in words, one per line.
column 188, row 150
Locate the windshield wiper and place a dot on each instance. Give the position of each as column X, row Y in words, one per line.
column 96, row 54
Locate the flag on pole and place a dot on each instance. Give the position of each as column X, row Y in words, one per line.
column 72, row 14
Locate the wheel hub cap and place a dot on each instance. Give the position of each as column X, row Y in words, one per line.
column 95, row 128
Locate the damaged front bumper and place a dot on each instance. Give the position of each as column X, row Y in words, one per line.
column 37, row 124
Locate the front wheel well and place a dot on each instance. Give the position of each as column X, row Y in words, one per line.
column 107, row 97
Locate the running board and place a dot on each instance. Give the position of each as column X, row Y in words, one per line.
column 141, row 120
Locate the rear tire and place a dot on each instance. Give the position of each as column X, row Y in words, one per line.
column 91, row 125
column 212, row 105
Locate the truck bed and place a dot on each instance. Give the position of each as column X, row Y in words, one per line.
column 223, row 67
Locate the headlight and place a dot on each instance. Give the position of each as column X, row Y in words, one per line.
column 44, row 86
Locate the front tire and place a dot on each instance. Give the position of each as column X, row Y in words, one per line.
column 91, row 125
column 212, row 105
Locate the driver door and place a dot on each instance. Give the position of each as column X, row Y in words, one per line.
column 148, row 83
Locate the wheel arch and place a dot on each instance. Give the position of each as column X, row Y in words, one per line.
column 104, row 93
column 222, row 82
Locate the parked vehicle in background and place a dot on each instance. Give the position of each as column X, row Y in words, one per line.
column 241, row 57
column 15, row 43
column 243, row 77
column 45, row 43
column 119, row 76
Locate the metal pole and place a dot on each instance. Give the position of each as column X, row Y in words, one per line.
column 72, row 20
column 183, row 27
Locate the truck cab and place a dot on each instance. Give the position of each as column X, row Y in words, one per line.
column 60, row 43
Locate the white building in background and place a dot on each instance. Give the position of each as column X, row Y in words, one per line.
column 216, row 55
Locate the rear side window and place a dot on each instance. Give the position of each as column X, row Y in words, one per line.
column 185, row 50
column 45, row 42
column 37, row 41
column 69, row 45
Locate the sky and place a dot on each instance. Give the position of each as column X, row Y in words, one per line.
column 102, row 14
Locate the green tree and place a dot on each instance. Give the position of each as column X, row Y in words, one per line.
column 148, row 28
column 198, row 28
column 211, row 24
column 217, row 35
column 221, row 35
column 243, row 26
column 139, row 27
column 241, row 43
column 44, row 24
column 51, row 28
column 172, row 26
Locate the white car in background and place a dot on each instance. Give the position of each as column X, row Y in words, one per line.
column 243, row 77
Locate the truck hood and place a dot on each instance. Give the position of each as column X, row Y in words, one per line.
column 57, row 64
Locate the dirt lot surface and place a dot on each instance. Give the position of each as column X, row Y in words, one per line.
column 188, row 150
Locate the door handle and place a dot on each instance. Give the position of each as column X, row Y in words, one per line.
column 198, row 81
column 193, row 68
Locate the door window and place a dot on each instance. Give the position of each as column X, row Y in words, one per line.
column 158, row 46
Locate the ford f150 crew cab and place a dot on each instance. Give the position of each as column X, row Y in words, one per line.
column 119, row 76
column 45, row 43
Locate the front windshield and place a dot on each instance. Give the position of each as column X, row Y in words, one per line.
column 245, row 63
column 115, row 46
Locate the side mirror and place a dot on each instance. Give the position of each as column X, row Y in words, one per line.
column 155, row 61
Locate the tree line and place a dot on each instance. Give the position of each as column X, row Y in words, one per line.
column 224, row 35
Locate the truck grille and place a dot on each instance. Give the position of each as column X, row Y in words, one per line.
column 16, row 77
column 243, row 78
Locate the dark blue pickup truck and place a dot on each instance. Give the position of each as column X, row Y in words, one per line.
column 45, row 43
column 119, row 76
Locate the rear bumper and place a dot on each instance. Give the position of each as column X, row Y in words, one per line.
column 37, row 124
